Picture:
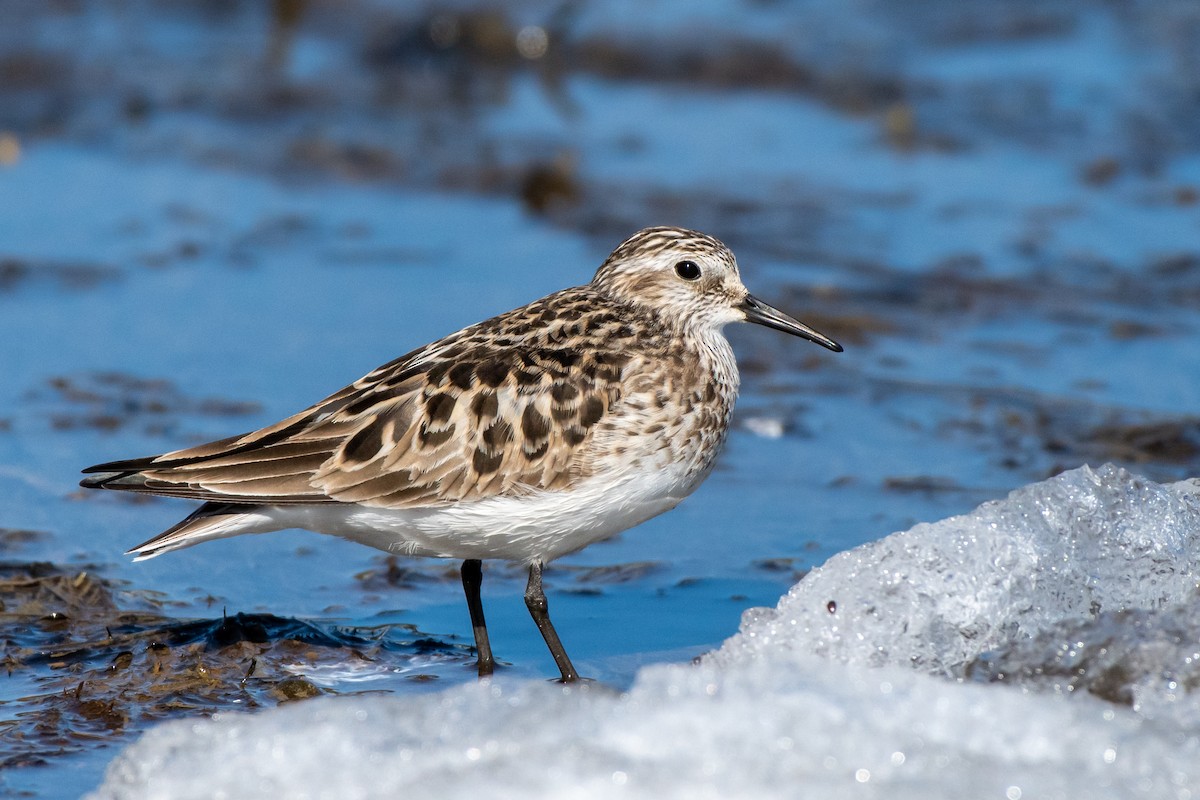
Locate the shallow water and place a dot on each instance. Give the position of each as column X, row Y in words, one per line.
column 214, row 215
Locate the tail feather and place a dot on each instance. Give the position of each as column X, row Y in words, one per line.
column 209, row 521
column 113, row 480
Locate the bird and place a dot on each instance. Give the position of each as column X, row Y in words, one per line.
column 525, row 437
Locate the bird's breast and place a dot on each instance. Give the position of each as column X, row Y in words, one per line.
column 672, row 416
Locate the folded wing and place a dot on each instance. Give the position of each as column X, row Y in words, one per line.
column 467, row 426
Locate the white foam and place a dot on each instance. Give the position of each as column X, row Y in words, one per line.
column 938, row 595
column 802, row 702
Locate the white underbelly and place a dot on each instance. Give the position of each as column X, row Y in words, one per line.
column 540, row 526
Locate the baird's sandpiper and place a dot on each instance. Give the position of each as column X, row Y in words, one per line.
column 524, row 437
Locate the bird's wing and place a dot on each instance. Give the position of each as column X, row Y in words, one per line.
column 432, row 428
column 480, row 425
column 271, row 465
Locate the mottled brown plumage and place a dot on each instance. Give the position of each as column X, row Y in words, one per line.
column 501, row 408
column 550, row 427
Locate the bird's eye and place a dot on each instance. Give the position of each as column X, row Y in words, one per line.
column 688, row 270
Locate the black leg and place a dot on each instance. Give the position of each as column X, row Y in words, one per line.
column 472, row 579
column 539, row 609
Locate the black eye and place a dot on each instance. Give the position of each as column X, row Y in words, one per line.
column 688, row 270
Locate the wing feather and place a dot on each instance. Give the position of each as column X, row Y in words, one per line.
column 493, row 410
column 499, row 433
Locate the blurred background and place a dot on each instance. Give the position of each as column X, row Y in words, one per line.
column 214, row 213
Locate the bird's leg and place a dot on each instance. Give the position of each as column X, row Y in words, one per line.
column 472, row 579
column 539, row 609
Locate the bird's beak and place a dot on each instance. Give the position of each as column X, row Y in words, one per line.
column 758, row 311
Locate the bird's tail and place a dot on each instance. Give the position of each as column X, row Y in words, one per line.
column 209, row 521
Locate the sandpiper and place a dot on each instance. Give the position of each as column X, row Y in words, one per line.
column 524, row 437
